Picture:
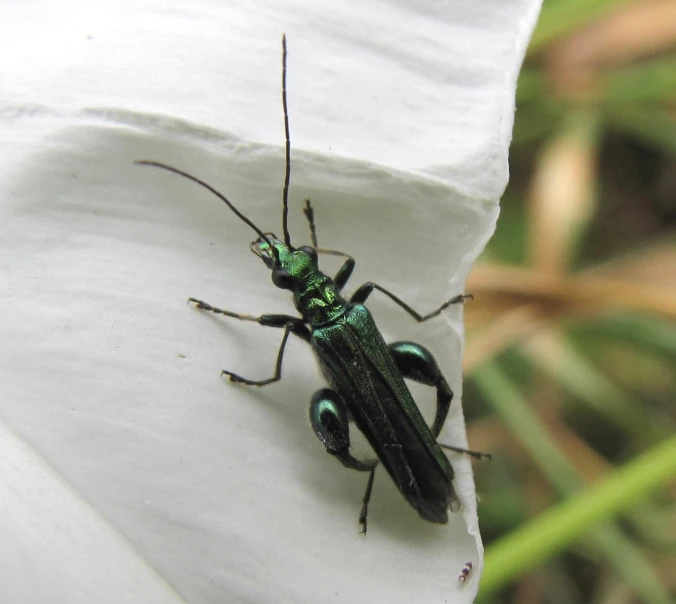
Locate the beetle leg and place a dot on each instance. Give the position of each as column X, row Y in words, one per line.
column 346, row 269
column 417, row 363
column 475, row 454
column 267, row 320
column 329, row 419
column 289, row 323
column 366, row 290
column 296, row 326
column 219, row 311
column 365, row 502
column 310, row 215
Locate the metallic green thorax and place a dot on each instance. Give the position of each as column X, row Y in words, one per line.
column 314, row 294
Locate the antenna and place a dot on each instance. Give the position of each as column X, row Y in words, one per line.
column 222, row 197
column 287, row 176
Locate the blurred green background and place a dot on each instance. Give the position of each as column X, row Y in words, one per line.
column 570, row 360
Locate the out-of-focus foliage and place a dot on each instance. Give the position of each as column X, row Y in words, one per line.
column 571, row 355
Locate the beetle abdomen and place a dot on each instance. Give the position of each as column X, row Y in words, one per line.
column 359, row 366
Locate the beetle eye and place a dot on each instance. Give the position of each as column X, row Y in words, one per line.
column 282, row 279
column 310, row 251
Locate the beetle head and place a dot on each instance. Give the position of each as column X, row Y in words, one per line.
column 288, row 265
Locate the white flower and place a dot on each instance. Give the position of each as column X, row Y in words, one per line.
column 130, row 472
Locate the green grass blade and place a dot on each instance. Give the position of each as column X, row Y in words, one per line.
column 557, row 528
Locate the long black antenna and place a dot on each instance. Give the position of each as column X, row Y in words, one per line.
column 222, row 197
column 287, row 177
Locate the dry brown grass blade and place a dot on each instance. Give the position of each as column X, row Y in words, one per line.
column 634, row 30
column 561, row 197
column 578, row 293
column 656, row 264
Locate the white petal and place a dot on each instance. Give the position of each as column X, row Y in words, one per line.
column 401, row 117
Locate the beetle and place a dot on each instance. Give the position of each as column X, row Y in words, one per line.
column 365, row 375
